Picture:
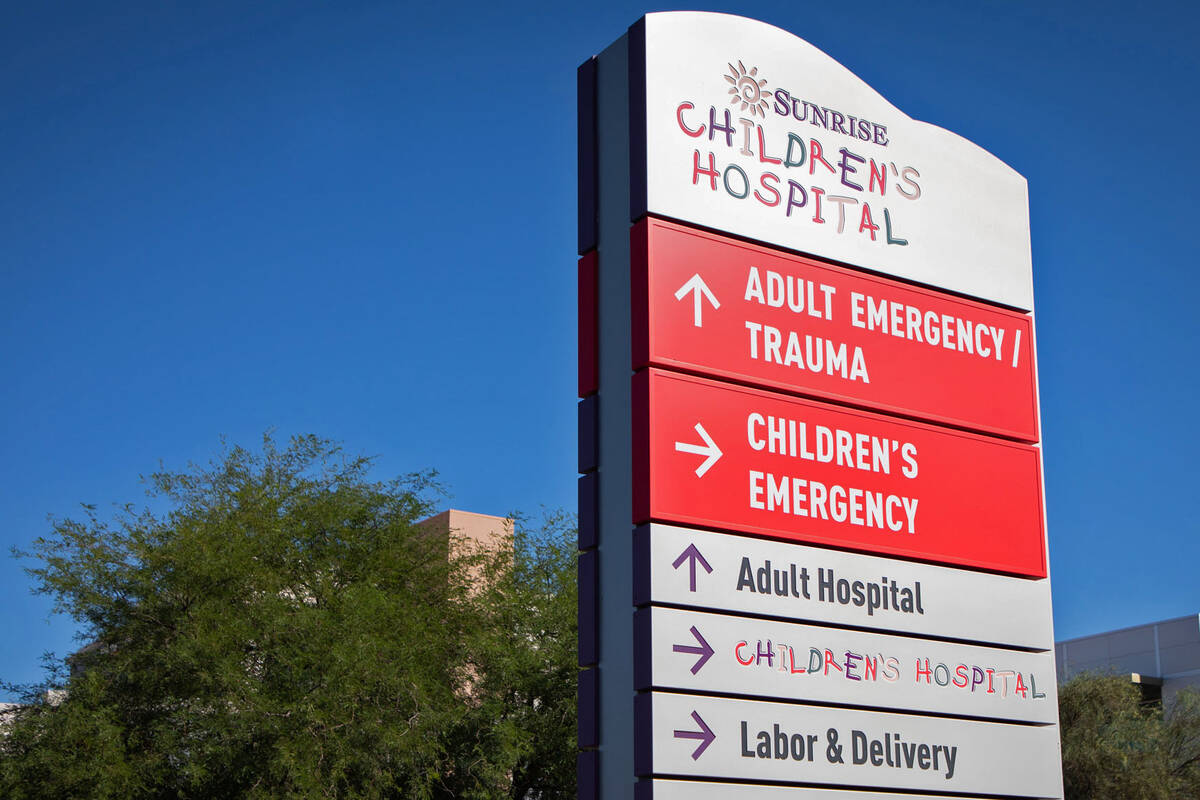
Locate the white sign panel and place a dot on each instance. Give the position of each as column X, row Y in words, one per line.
column 751, row 130
column 686, row 735
column 682, row 566
column 696, row 790
column 716, row 653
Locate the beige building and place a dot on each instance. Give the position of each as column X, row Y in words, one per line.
column 483, row 530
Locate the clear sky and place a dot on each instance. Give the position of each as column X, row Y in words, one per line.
column 357, row 219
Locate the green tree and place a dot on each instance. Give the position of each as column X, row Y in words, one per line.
column 1182, row 738
column 1115, row 745
column 526, row 661
column 286, row 629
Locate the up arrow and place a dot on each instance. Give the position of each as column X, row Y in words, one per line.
column 709, row 449
column 699, row 290
column 693, row 555
column 705, row 735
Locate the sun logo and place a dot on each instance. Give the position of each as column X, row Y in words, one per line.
column 747, row 89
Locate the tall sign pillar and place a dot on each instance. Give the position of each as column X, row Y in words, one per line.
column 813, row 555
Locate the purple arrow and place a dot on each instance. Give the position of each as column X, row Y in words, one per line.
column 704, row 650
column 693, row 555
column 705, row 735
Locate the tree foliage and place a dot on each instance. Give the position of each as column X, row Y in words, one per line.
column 526, row 666
column 286, row 629
column 1114, row 745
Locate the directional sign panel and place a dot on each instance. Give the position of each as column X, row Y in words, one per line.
column 716, row 653
column 720, row 456
column 828, row 447
column 688, row 735
column 707, row 303
column 685, row 567
column 714, row 790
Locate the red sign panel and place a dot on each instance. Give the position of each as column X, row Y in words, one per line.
column 706, row 303
column 713, row 455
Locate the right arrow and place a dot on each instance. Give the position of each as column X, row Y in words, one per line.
column 705, row 735
column 699, row 290
column 709, row 448
column 693, row 555
column 704, row 650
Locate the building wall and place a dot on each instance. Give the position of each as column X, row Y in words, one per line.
column 468, row 527
column 469, row 533
column 1168, row 651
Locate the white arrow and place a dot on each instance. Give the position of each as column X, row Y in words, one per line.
column 699, row 290
column 709, row 448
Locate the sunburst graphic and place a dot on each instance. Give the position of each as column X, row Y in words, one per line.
column 747, row 89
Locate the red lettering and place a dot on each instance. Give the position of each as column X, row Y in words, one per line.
column 698, row 170
column 763, row 180
column 814, row 150
column 818, row 192
column 683, row 126
column 879, row 177
column 926, row 671
column 867, row 223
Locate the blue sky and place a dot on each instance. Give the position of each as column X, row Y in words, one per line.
column 358, row 220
